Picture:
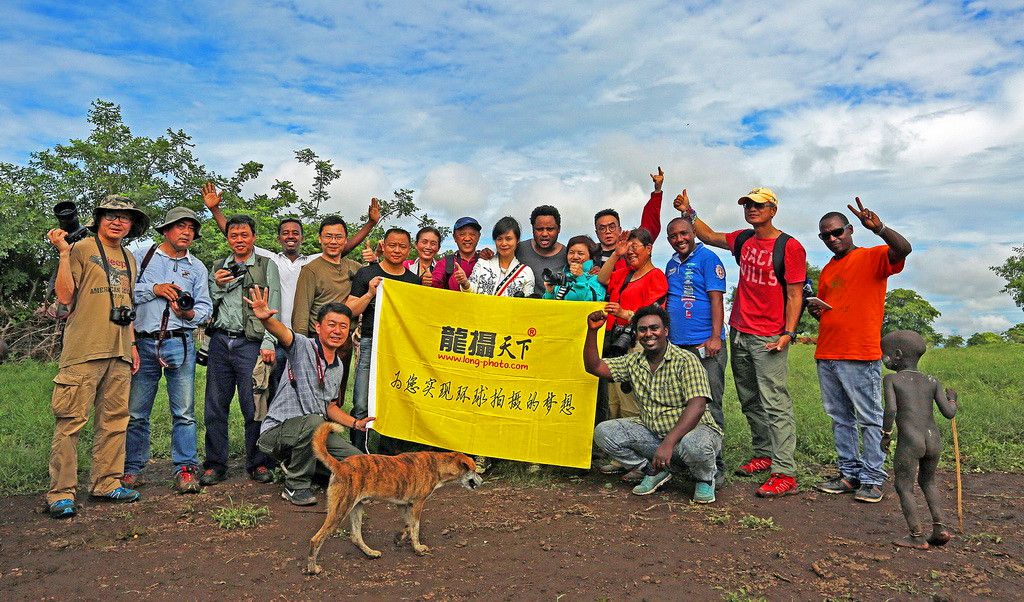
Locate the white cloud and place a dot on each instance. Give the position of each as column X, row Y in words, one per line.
column 454, row 188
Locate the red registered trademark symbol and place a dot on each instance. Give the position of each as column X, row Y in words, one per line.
column 532, row 332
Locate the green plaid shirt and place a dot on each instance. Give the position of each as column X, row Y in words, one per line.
column 663, row 394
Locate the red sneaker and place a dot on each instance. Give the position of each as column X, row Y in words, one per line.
column 754, row 466
column 131, row 481
column 777, row 485
column 186, row 480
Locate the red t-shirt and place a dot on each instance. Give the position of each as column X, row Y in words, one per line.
column 649, row 289
column 855, row 288
column 758, row 306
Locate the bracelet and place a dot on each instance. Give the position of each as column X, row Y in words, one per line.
column 690, row 215
column 882, row 229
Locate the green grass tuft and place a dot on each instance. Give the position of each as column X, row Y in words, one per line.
column 239, row 516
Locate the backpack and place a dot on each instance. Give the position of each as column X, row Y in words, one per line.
column 778, row 265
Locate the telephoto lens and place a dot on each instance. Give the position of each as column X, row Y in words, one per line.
column 67, row 220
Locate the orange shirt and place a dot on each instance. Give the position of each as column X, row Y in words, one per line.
column 855, row 288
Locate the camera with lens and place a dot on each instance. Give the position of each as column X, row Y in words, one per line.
column 122, row 315
column 67, row 220
column 238, row 269
column 186, row 301
column 620, row 341
column 555, row 279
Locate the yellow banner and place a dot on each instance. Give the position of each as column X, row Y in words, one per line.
column 492, row 376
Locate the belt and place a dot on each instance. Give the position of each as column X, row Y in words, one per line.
column 178, row 332
column 228, row 333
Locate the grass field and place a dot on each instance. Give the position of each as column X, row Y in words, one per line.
column 989, row 380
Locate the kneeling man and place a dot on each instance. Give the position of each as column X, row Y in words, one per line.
column 672, row 390
column 306, row 396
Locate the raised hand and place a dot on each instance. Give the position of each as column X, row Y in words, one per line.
column 659, row 179
column 596, row 320
column 867, row 217
column 56, row 238
column 258, row 302
column 682, row 202
column 368, row 255
column 622, row 244
column 211, row 198
column 373, row 213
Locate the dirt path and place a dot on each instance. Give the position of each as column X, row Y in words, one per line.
column 574, row 539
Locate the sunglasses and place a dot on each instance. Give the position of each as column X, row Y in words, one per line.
column 753, row 205
column 824, row 236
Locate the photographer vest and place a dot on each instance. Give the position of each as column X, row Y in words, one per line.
column 255, row 275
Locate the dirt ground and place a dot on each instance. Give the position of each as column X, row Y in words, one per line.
column 574, row 538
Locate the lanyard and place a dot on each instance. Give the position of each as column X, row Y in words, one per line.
column 106, row 270
column 321, row 370
column 507, row 280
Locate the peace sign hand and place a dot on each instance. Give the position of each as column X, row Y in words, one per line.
column 868, row 218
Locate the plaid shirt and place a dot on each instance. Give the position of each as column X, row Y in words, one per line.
column 664, row 393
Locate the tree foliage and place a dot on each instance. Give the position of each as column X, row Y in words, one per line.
column 158, row 174
column 1015, row 334
column 1013, row 272
column 907, row 310
column 954, row 341
column 983, row 338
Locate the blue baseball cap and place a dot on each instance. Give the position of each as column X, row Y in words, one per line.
column 462, row 222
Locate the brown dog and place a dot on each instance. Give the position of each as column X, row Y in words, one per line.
column 406, row 479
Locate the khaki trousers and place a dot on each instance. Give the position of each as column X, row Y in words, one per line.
column 103, row 384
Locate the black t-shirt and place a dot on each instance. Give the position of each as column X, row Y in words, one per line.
column 361, row 284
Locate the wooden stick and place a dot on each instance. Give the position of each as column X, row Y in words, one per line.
column 959, row 482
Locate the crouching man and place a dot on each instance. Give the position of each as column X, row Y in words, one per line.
column 306, row 396
column 672, row 392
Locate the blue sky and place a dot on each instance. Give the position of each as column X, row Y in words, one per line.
column 493, row 108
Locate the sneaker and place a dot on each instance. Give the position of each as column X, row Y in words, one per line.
column 121, row 494
column 299, row 497
column 651, row 483
column 612, row 467
column 62, row 509
column 838, row 484
column 186, row 481
column 777, row 485
column 482, row 464
column 754, row 466
column 262, row 474
column 131, row 480
column 868, row 493
column 633, row 476
column 212, row 476
column 704, row 493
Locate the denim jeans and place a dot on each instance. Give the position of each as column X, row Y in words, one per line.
column 633, row 445
column 180, row 375
column 361, row 390
column 851, row 392
column 231, row 363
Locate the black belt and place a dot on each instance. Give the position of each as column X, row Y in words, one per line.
column 228, row 333
column 178, row 332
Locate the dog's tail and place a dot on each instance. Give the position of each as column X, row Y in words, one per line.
column 319, row 444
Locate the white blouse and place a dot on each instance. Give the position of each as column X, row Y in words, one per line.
column 487, row 278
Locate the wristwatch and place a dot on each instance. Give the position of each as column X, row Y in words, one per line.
column 791, row 334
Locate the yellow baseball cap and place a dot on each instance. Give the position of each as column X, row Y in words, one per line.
column 760, row 195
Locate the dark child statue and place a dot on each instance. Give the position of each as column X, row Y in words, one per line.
column 909, row 394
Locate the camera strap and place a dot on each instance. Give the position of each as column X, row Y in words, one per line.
column 106, row 271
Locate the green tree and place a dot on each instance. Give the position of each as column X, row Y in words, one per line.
column 983, row 338
column 1015, row 334
column 907, row 310
column 1013, row 272
column 954, row 341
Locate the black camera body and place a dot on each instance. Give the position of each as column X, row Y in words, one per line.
column 186, row 301
column 238, row 269
column 122, row 315
column 621, row 340
column 67, row 220
column 555, row 279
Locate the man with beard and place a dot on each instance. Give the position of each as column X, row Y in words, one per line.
column 94, row 277
column 672, row 392
column 172, row 297
column 849, row 353
column 543, row 250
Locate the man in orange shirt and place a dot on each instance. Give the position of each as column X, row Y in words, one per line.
column 850, row 307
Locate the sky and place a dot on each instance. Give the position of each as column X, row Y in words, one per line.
column 490, row 109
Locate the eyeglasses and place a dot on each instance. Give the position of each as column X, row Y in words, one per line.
column 334, row 236
column 753, row 205
column 117, row 217
column 824, row 236
column 607, row 227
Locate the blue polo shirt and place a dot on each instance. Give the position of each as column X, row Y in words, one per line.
column 688, row 305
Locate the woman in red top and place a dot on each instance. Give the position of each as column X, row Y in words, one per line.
column 630, row 288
